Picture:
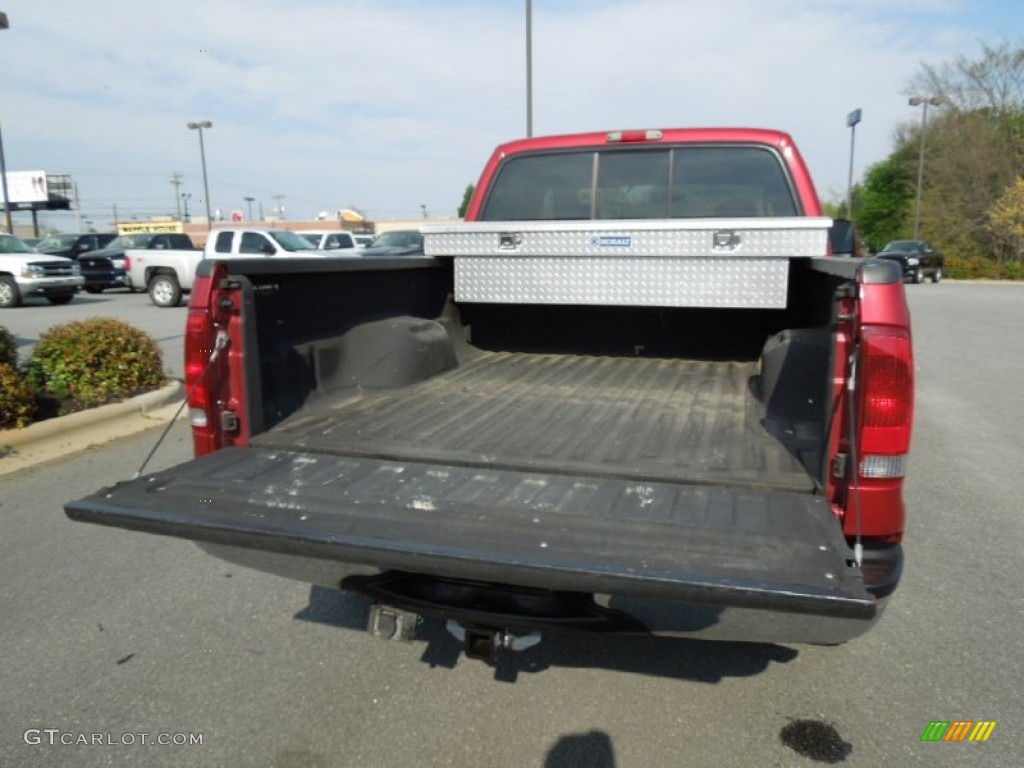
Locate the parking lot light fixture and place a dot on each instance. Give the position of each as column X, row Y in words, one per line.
column 922, row 101
column 198, row 126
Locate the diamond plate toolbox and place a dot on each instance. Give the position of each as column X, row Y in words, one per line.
column 668, row 263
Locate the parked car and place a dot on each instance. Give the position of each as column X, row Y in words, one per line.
column 363, row 240
column 73, row 246
column 24, row 272
column 397, row 242
column 329, row 240
column 108, row 268
column 258, row 241
column 98, row 272
column 916, row 257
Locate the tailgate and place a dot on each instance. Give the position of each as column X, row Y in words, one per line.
column 720, row 546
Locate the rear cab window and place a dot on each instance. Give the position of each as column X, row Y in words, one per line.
column 699, row 181
column 223, row 242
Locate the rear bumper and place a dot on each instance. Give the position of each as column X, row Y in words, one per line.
column 529, row 610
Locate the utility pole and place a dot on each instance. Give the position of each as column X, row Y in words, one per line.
column 115, row 215
column 261, row 211
column 176, row 181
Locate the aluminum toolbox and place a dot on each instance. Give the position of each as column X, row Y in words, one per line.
column 668, row 263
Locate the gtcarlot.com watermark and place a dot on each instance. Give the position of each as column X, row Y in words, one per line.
column 57, row 737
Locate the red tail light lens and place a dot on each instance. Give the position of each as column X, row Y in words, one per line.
column 890, row 390
column 887, row 379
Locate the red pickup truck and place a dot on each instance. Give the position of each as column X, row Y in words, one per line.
column 633, row 392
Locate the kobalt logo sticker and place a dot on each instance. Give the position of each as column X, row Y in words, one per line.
column 611, row 241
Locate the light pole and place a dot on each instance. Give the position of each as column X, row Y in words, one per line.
column 5, row 24
column 916, row 101
column 851, row 121
column 202, row 154
column 250, row 201
column 7, row 197
column 184, row 198
column 529, row 68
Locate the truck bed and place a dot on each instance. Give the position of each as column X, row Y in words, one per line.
column 659, row 420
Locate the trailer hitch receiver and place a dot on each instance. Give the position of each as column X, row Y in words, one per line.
column 484, row 643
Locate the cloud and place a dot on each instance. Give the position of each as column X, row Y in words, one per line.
column 393, row 104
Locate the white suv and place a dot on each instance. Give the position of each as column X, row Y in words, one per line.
column 24, row 272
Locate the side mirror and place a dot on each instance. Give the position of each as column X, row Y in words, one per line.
column 842, row 237
column 268, row 249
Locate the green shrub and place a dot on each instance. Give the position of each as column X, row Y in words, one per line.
column 95, row 361
column 973, row 268
column 8, row 347
column 17, row 401
column 1013, row 270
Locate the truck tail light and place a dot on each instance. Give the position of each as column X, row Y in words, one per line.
column 887, row 402
column 198, row 348
column 127, row 262
column 202, row 377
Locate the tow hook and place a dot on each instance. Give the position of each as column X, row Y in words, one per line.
column 484, row 643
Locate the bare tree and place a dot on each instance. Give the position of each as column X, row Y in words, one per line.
column 974, row 150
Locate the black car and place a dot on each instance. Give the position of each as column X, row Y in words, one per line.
column 916, row 257
column 73, row 246
column 99, row 272
column 397, row 242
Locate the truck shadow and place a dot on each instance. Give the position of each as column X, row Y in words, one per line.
column 683, row 659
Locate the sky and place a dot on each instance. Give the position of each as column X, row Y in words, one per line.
column 393, row 106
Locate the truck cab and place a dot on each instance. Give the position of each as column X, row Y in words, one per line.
column 250, row 242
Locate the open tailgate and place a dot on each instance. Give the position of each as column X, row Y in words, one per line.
column 700, row 544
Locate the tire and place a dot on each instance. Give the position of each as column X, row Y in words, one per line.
column 937, row 275
column 62, row 298
column 164, row 290
column 10, row 296
column 918, row 277
column 93, row 289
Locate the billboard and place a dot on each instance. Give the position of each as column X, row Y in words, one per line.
column 26, row 187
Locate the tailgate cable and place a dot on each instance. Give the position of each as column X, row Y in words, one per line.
column 221, row 342
column 851, row 385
